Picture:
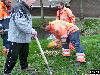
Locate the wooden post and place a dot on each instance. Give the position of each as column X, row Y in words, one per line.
column 41, row 4
column 81, row 9
column 82, row 18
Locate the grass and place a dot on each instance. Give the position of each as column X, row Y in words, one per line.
column 60, row 65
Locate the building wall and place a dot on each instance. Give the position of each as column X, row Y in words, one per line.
column 91, row 8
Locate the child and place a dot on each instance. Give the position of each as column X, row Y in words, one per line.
column 67, row 32
column 4, row 34
column 5, row 6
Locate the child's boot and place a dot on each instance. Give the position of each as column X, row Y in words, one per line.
column 80, row 57
column 66, row 52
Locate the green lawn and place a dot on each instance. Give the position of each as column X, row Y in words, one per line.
column 60, row 65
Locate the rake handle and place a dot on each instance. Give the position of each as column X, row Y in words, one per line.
column 43, row 55
column 41, row 50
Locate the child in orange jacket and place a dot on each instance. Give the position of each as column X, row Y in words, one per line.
column 67, row 32
column 65, row 14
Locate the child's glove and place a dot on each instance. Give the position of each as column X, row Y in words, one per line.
column 51, row 44
column 2, row 31
column 54, row 44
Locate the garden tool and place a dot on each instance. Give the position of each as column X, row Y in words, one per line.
column 42, row 53
column 76, row 68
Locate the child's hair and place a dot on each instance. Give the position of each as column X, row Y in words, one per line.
column 60, row 2
column 44, row 25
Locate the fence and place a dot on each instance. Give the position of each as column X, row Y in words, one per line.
column 89, row 8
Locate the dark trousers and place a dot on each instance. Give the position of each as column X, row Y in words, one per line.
column 74, row 38
column 20, row 50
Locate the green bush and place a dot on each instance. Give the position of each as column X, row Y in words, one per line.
column 39, row 22
column 89, row 26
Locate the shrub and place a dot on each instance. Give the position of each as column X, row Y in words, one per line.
column 39, row 22
column 89, row 26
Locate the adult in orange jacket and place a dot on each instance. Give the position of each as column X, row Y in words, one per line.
column 67, row 32
column 65, row 14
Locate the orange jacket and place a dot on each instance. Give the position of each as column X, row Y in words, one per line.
column 62, row 28
column 3, row 11
column 66, row 15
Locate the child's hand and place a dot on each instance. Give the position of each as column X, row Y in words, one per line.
column 5, row 51
column 71, row 46
column 2, row 31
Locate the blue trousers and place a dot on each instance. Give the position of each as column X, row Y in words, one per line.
column 5, row 25
column 73, row 38
column 6, row 43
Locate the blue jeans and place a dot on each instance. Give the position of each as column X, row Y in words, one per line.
column 6, row 43
column 5, row 25
column 73, row 38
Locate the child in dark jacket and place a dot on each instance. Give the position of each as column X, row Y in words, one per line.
column 4, row 23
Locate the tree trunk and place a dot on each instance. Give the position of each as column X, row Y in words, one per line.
column 82, row 18
column 81, row 9
column 41, row 4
